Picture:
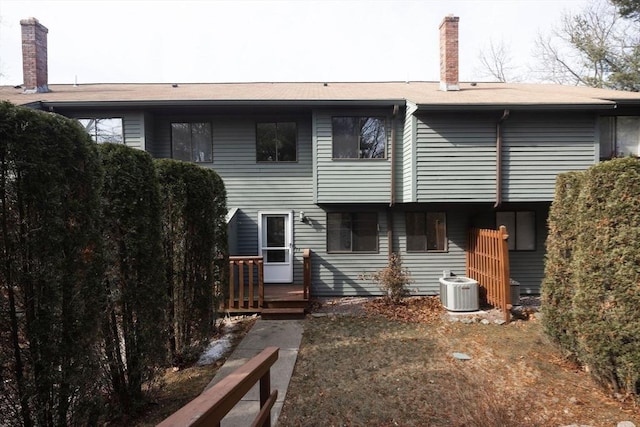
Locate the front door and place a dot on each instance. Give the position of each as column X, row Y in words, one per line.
column 275, row 245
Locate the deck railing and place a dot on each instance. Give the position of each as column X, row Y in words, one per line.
column 214, row 404
column 306, row 277
column 488, row 263
column 246, row 283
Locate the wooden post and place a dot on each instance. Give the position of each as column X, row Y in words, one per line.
column 232, row 282
column 306, row 279
column 505, row 273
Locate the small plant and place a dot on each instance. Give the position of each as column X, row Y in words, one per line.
column 393, row 279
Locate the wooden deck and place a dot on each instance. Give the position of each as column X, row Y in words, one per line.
column 280, row 301
column 247, row 292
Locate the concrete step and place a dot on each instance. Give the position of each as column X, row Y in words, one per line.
column 282, row 313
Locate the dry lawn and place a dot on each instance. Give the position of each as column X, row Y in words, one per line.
column 394, row 367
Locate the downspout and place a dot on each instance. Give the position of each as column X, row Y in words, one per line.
column 505, row 116
column 392, row 201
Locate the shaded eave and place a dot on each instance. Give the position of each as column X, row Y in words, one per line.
column 48, row 105
column 517, row 106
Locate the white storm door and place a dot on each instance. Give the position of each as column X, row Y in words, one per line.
column 275, row 245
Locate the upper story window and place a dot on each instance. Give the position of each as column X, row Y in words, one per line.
column 426, row 231
column 192, row 142
column 352, row 232
column 276, row 142
column 359, row 137
column 619, row 136
column 521, row 227
column 104, row 129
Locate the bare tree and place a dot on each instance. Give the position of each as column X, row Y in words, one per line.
column 497, row 63
column 596, row 48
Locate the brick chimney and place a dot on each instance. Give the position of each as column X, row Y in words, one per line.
column 449, row 53
column 34, row 56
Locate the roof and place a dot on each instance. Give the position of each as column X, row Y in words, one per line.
column 422, row 94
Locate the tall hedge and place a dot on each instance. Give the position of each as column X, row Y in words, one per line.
column 50, row 269
column 134, row 324
column 558, row 282
column 195, row 247
column 593, row 264
column 606, row 263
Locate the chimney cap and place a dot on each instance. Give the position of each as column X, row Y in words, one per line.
column 450, row 18
column 32, row 21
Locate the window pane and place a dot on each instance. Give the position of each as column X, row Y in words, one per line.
column 276, row 142
column 338, row 232
column 266, row 142
column 276, row 255
column 436, row 231
column 104, row 129
column 416, row 232
column 345, row 138
column 628, row 136
column 508, row 219
column 525, row 231
column 287, row 135
column 201, row 142
column 365, row 231
column 275, row 231
column 181, row 141
column 372, row 138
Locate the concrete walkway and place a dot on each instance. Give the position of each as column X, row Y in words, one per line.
column 285, row 334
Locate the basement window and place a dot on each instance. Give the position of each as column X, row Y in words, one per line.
column 104, row 129
column 521, row 227
column 359, row 137
column 192, row 142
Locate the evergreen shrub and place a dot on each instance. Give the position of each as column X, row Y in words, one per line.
column 591, row 291
column 195, row 247
column 558, row 282
column 134, row 321
column 50, row 270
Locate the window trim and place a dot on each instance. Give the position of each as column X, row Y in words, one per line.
column 191, row 122
column 513, row 234
column 295, row 123
column 385, row 121
column 425, row 218
column 352, row 213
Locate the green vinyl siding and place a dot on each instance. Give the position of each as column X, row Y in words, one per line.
column 349, row 180
column 455, row 157
column 253, row 186
column 538, row 147
column 426, row 267
column 406, row 162
column 134, row 130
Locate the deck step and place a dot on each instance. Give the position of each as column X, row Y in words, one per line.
column 282, row 313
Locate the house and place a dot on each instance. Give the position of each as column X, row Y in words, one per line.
column 356, row 171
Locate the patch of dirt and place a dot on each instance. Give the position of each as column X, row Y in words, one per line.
column 365, row 362
column 178, row 387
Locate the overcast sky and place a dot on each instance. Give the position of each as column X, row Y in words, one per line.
column 93, row 41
